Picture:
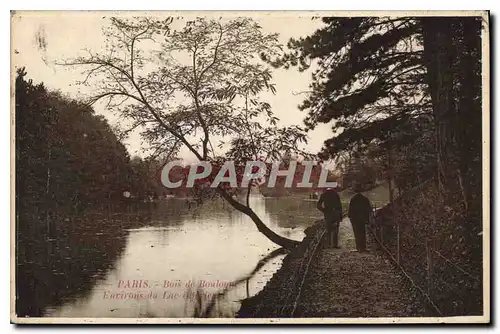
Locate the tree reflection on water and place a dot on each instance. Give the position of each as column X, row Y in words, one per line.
column 63, row 270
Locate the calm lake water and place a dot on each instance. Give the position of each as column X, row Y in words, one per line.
column 171, row 262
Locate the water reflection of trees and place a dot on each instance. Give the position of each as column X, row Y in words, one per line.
column 213, row 209
column 292, row 212
column 61, row 258
column 210, row 309
column 64, row 263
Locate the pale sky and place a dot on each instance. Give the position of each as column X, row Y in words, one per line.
column 39, row 39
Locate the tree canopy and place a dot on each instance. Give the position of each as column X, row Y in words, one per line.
column 191, row 83
column 65, row 153
column 368, row 77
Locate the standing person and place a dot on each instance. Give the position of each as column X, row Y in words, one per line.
column 359, row 214
column 329, row 203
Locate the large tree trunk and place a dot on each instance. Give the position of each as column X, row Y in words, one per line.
column 470, row 132
column 452, row 51
column 390, row 174
column 439, row 56
column 270, row 234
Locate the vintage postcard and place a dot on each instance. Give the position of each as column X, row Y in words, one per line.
column 250, row 167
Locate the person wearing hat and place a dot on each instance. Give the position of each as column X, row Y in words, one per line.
column 329, row 203
column 359, row 214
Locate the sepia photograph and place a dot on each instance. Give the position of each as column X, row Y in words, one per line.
column 224, row 167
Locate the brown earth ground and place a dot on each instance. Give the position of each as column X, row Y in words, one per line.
column 342, row 283
column 345, row 283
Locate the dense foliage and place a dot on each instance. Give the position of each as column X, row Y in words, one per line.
column 66, row 155
column 194, row 84
column 405, row 93
column 68, row 162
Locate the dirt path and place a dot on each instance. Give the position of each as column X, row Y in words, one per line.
column 345, row 283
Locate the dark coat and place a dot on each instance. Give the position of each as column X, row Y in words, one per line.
column 329, row 203
column 360, row 208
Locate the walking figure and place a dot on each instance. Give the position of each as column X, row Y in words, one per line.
column 359, row 214
column 329, row 203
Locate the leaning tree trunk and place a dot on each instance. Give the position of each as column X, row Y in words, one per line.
column 270, row 234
